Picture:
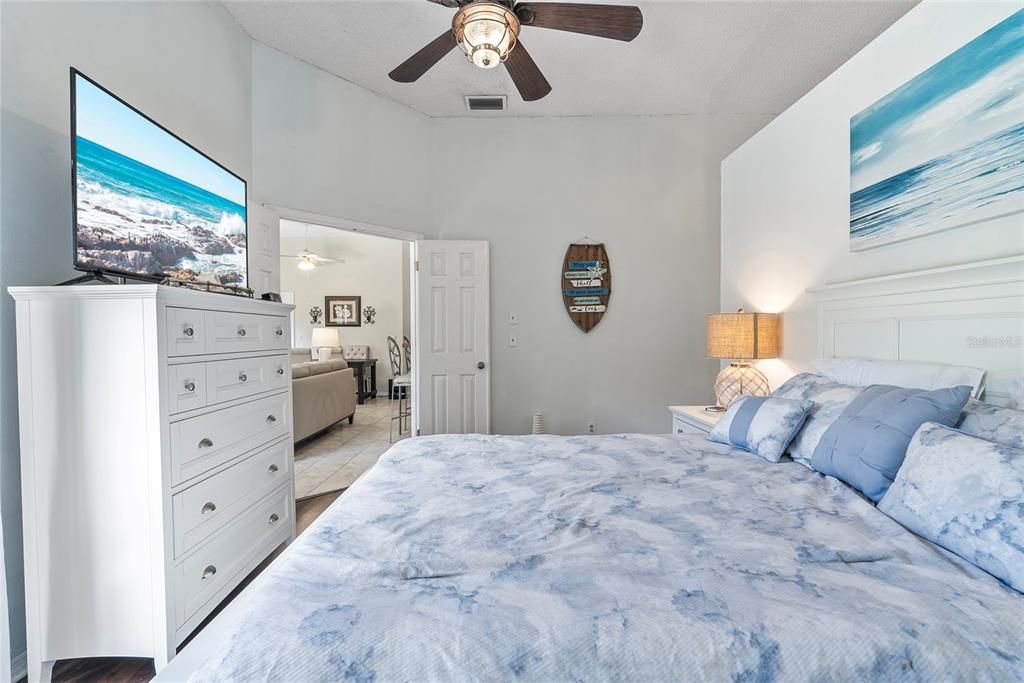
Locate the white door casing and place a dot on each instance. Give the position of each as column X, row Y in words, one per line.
column 264, row 247
column 451, row 348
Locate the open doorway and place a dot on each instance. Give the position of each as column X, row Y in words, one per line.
column 352, row 338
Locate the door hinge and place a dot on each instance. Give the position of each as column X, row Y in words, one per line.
column 417, row 266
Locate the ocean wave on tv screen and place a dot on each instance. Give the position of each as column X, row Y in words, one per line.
column 134, row 218
column 948, row 187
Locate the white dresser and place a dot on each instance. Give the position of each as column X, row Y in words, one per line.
column 156, row 461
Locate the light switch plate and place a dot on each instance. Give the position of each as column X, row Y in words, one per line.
column 513, row 340
column 513, row 318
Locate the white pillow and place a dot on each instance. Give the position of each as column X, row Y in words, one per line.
column 860, row 372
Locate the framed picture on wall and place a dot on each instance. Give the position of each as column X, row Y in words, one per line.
column 342, row 311
column 944, row 149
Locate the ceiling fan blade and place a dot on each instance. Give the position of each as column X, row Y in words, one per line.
column 417, row 65
column 619, row 22
column 530, row 82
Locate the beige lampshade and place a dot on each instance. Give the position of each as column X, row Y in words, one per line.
column 324, row 336
column 743, row 336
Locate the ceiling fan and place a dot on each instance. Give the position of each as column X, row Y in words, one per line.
column 488, row 32
column 309, row 260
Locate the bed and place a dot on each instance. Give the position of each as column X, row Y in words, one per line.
column 630, row 557
column 642, row 557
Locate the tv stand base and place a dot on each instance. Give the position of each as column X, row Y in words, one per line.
column 89, row 277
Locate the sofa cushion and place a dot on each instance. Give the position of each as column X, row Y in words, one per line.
column 337, row 364
column 300, row 370
column 319, row 367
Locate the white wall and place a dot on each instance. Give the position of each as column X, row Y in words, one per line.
column 324, row 145
column 645, row 186
column 785, row 193
column 185, row 64
column 372, row 270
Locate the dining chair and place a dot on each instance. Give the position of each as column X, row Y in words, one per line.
column 401, row 384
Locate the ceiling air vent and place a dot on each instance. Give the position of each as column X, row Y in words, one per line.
column 485, row 102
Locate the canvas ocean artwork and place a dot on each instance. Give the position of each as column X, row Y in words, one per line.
column 945, row 149
column 147, row 203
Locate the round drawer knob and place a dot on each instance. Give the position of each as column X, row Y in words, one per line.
column 190, row 386
column 206, row 443
column 209, row 571
column 273, row 518
column 279, row 332
column 271, row 419
column 280, row 371
column 189, row 331
column 241, row 331
column 209, row 507
column 242, row 377
column 272, row 469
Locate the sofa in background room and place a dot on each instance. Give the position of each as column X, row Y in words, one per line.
column 322, row 392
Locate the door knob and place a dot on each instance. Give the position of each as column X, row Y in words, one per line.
column 480, row 365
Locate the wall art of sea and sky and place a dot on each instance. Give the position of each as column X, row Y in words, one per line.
column 945, row 149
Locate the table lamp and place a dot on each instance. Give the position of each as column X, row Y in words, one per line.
column 742, row 338
column 323, row 339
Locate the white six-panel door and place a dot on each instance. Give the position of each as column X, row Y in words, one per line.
column 452, row 337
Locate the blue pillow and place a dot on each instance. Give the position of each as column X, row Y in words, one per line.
column 763, row 425
column 965, row 494
column 866, row 445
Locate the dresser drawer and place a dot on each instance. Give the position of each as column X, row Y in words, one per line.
column 216, row 565
column 186, row 387
column 185, row 331
column 202, row 509
column 231, row 332
column 229, row 379
column 200, row 443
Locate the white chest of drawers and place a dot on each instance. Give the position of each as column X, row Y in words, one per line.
column 156, row 461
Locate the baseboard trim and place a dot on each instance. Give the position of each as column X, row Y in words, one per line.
column 19, row 666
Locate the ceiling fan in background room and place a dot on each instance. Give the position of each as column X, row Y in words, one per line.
column 307, row 260
column 488, row 32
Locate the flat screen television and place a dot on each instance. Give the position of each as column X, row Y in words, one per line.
column 146, row 203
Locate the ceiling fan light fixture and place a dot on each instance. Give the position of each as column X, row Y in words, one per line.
column 486, row 32
column 306, row 263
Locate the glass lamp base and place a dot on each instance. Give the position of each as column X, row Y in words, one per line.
column 739, row 379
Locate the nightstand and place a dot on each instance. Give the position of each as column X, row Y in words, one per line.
column 692, row 419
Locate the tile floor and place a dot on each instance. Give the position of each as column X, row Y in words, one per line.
column 335, row 459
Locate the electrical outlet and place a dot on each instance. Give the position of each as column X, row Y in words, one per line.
column 513, row 340
column 513, row 318
column 591, row 428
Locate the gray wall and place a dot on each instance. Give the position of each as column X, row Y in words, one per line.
column 186, row 64
column 648, row 188
column 324, row 145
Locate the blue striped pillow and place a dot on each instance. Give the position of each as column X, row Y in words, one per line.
column 763, row 425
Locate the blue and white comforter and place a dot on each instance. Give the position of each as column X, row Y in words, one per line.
column 614, row 558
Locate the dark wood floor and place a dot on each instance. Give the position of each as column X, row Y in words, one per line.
column 137, row 670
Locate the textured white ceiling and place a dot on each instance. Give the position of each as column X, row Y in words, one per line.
column 330, row 242
column 691, row 57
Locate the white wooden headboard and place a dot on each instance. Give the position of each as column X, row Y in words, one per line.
column 971, row 314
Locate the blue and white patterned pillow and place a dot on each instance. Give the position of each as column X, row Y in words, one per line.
column 829, row 398
column 993, row 423
column 763, row 425
column 966, row 495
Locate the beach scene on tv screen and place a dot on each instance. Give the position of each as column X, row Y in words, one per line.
column 147, row 203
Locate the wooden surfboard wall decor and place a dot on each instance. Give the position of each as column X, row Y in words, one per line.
column 586, row 284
